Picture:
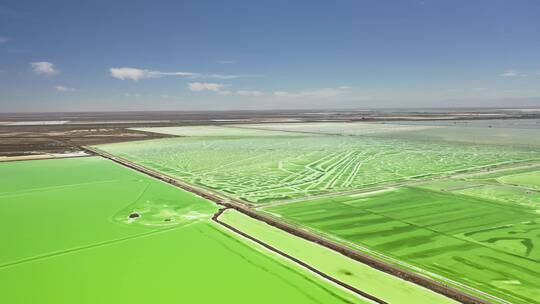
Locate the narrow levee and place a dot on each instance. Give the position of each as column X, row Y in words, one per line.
column 216, row 219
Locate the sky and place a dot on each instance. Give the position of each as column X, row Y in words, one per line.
column 247, row 55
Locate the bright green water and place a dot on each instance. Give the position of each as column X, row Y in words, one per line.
column 66, row 239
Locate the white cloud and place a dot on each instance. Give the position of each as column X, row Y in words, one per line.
column 137, row 95
column 226, row 61
column 249, row 93
column 224, row 93
column 126, row 73
column 306, row 94
column 3, row 39
column 44, row 68
column 344, row 87
column 129, row 73
column 60, row 88
column 205, row 86
column 323, row 93
column 220, row 76
column 281, row 93
column 512, row 73
column 318, row 93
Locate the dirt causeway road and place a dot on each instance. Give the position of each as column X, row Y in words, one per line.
column 371, row 261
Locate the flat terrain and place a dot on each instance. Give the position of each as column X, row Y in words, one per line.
column 382, row 285
column 273, row 165
column 517, row 133
column 68, row 238
column 413, row 195
column 480, row 232
column 455, row 201
column 45, row 139
column 38, row 133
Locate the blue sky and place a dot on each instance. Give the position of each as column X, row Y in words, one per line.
column 226, row 55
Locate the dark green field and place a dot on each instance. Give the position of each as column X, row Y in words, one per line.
column 472, row 241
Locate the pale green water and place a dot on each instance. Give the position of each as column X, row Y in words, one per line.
column 379, row 284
